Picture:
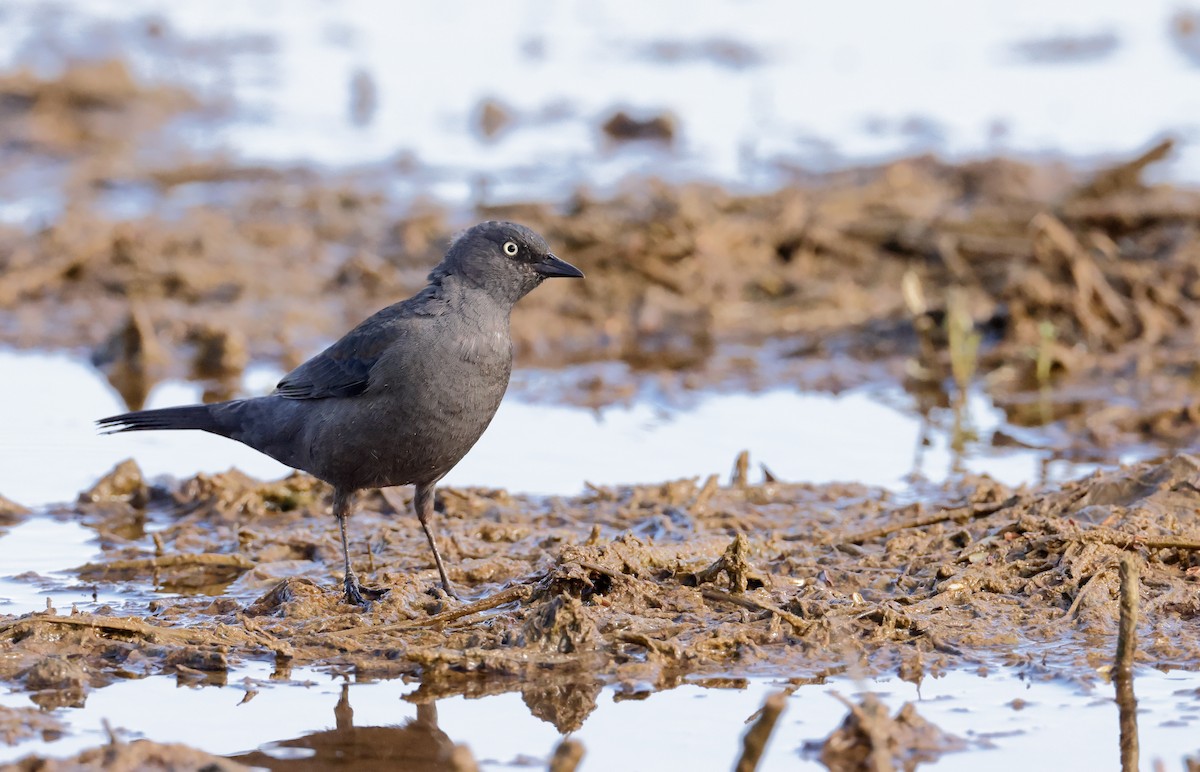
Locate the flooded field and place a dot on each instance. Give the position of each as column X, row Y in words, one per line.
column 868, row 442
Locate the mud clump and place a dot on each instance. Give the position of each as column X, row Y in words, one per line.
column 561, row 625
column 123, row 484
column 623, row 127
column 57, row 682
column 491, row 118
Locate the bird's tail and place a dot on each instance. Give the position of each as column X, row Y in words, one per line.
column 186, row 417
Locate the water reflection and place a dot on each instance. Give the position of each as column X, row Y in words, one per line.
column 1015, row 716
column 564, row 700
column 1127, row 718
column 417, row 744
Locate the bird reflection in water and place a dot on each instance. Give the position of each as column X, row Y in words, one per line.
column 416, row 745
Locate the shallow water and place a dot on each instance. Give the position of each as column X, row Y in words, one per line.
column 50, row 449
column 690, row 727
column 47, row 548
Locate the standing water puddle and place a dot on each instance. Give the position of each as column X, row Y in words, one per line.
column 50, row 450
column 305, row 719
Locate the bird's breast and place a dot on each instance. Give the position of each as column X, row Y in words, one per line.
column 485, row 349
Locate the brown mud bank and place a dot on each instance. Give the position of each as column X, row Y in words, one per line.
column 639, row 587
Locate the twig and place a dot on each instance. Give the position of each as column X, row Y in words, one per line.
column 1127, row 721
column 755, row 740
column 799, row 624
column 969, row 513
column 1085, row 585
column 603, row 570
column 249, row 635
column 1127, row 631
column 666, row 648
column 1126, row 174
column 1129, row 541
column 1123, row 667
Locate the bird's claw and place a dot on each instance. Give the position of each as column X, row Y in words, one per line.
column 358, row 595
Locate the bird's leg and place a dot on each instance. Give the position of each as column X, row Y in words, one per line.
column 342, row 501
column 423, row 503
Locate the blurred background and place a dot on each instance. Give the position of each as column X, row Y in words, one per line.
column 519, row 99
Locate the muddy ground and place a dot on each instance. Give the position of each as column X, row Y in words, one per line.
column 640, row 585
column 637, row 587
column 1070, row 298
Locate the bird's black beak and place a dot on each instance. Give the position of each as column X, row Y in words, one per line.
column 552, row 266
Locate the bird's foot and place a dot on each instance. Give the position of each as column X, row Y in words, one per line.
column 360, row 595
column 443, row 592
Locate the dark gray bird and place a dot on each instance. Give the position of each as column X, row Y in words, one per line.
column 404, row 395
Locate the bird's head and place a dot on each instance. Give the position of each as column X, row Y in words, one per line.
column 505, row 259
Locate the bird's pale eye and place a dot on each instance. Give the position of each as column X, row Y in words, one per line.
column 511, row 248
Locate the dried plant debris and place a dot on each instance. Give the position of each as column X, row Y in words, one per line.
column 770, row 578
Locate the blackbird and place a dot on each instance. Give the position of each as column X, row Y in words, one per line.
column 404, row 395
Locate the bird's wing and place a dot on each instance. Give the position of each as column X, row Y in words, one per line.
column 344, row 369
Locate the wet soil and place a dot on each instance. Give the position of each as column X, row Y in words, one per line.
column 640, row 586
